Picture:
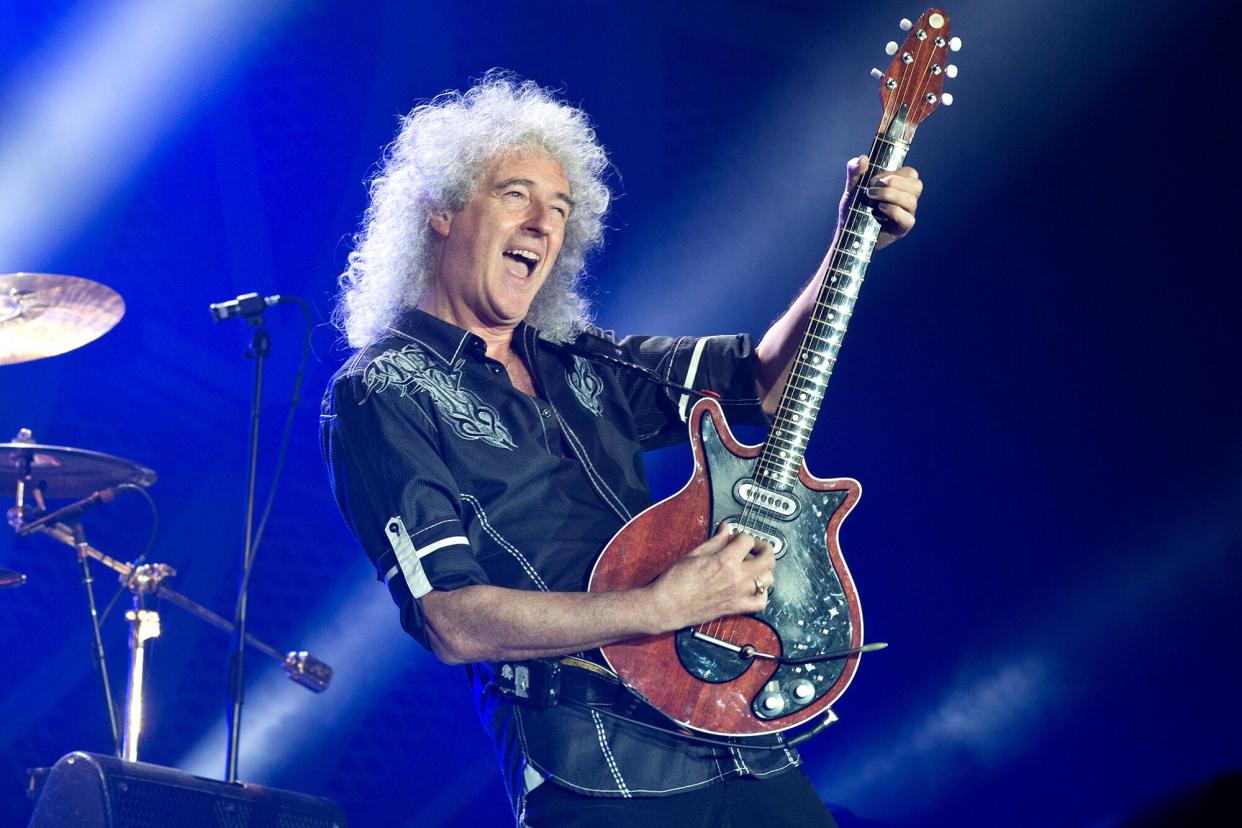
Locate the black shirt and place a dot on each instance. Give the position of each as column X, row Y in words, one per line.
column 450, row 476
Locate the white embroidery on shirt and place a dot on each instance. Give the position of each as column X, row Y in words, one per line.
column 464, row 411
column 586, row 385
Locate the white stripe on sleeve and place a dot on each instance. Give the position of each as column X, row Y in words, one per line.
column 408, row 557
column 690, row 372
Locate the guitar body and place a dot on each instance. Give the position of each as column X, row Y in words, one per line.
column 813, row 610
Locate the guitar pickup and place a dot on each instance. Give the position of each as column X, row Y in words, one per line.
column 772, row 539
column 749, row 493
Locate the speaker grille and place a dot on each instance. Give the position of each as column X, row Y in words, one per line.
column 149, row 796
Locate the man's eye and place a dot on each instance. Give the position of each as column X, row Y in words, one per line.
column 562, row 211
column 517, row 193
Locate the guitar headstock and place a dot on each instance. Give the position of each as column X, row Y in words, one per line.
column 915, row 78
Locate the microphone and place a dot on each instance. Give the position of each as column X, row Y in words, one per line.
column 247, row 305
column 72, row 510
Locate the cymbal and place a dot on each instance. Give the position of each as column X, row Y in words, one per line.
column 67, row 472
column 43, row 314
column 9, row 578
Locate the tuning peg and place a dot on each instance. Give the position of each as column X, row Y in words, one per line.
column 951, row 70
column 890, row 48
column 905, row 24
column 947, row 99
column 877, row 74
column 955, row 44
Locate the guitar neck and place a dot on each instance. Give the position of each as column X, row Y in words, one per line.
column 911, row 89
column 845, row 266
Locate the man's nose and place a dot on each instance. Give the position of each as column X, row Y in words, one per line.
column 540, row 220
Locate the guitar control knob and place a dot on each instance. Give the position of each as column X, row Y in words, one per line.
column 951, row 70
column 877, row 74
column 905, row 24
column 803, row 690
column 773, row 703
column 890, row 48
column 947, row 99
column 955, row 44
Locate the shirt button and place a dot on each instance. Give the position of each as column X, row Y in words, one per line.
column 495, row 369
column 545, row 412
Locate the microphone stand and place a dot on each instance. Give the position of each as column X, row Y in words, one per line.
column 260, row 344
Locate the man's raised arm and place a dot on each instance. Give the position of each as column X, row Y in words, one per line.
column 897, row 194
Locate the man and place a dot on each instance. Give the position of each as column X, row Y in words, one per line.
column 483, row 457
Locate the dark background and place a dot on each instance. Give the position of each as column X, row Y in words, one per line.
column 1039, row 392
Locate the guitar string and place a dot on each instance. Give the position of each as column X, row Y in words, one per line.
column 923, row 77
column 748, row 518
column 749, row 513
column 801, row 372
column 827, row 294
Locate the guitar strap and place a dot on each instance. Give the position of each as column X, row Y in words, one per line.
column 599, row 349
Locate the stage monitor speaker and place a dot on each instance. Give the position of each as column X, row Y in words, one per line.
column 87, row 790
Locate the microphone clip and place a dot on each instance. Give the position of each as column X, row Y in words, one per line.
column 248, row 306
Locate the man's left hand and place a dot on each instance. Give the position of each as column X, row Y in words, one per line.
column 896, row 193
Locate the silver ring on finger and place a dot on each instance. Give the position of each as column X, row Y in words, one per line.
column 760, row 587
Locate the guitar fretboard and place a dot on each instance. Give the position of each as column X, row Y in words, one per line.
column 847, row 261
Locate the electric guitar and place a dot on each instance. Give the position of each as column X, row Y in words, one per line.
column 767, row 672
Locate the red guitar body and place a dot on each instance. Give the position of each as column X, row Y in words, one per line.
column 813, row 611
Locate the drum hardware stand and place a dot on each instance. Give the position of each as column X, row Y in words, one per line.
column 144, row 625
column 74, row 537
column 299, row 665
column 142, row 580
column 78, row 541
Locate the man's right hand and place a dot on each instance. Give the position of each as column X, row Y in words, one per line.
column 716, row 579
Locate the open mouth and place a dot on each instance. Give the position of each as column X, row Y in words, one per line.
column 527, row 259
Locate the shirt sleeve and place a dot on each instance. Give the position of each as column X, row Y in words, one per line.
column 723, row 365
column 399, row 498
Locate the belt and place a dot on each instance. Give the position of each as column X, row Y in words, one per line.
column 544, row 683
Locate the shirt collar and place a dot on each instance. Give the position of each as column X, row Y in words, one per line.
column 444, row 339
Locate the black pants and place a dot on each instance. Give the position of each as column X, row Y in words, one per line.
column 786, row 800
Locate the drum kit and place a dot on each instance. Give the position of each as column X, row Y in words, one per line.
column 43, row 315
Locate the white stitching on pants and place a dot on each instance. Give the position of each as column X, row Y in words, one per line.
column 612, row 763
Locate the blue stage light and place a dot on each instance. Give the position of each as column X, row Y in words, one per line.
column 98, row 101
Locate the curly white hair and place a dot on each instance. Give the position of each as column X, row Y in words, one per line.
column 437, row 161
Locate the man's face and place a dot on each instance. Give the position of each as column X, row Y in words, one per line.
column 498, row 249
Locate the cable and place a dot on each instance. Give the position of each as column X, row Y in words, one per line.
column 151, row 537
column 260, row 348
column 284, row 437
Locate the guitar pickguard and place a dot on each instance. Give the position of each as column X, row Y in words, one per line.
column 808, row 609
